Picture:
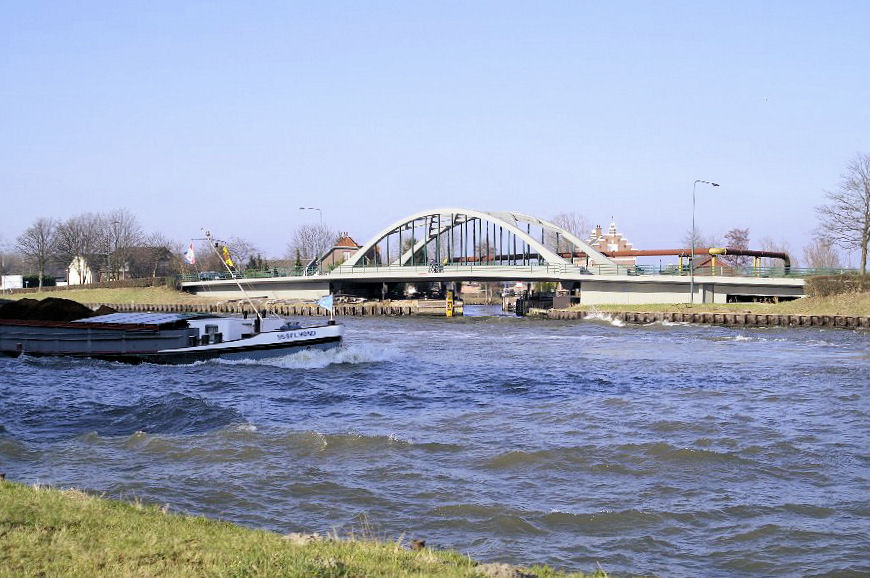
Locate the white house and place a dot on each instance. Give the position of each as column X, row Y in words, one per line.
column 79, row 272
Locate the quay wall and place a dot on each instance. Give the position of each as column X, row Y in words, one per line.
column 727, row 319
column 436, row 308
column 288, row 309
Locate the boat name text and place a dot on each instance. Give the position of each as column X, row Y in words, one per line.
column 296, row 334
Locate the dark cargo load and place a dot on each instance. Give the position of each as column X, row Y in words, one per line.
column 48, row 309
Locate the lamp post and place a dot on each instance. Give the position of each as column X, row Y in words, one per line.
column 319, row 212
column 115, row 252
column 692, row 262
column 314, row 209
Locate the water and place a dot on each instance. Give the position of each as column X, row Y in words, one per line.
column 666, row 449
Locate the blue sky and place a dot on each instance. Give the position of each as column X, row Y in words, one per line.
column 232, row 115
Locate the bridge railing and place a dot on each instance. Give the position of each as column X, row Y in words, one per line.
column 541, row 270
column 446, row 270
column 729, row 271
column 248, row 274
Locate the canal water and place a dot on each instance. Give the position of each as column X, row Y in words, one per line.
column 662, row 449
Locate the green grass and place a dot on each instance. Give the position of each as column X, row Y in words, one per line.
column 844, row 304
column 49, row 532
column 145, row 295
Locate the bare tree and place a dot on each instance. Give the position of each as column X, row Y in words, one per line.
column 241, row 250
column 737, row 239
column 574, row 223
column 208, row 258
column 820, row 254
column 176, row 259
column 312, row 241
column 121, row 235
column 486, row 251
column 845, row 219
column 9, row 259
column 37, row 243
column 701, row 240
column 105, row 240
column 768, row 244
column 420, row 256
column 157, row 252
column 80, row 236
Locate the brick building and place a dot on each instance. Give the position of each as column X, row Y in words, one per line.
column 612, row 241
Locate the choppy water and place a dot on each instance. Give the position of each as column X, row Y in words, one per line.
column 666, row 449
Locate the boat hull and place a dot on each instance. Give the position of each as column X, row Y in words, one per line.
column 142, row 345
column 262, row 346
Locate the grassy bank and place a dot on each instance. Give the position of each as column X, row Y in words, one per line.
column 842, row 304
column 845, row 304
column 47, row 532
column 149, row 295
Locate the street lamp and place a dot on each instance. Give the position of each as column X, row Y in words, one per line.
column 692, row 262
column 314, row 209
column 319, row 212
column 115, row 274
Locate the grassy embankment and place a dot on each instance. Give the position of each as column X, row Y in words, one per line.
column 148, row 295
column 842, row 304
column 48, row 532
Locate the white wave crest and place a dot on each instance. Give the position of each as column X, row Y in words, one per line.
column 606, row 317
column 319, row 359
column 735, row 338
column 244, row 427
column 666, row 323
column 397, row 439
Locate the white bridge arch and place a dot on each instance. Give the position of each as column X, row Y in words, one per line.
column 458, row 235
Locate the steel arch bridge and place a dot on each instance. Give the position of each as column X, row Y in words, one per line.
column 459, row 236
column 457, row 244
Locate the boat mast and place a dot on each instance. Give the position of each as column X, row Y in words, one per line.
column 213, row 244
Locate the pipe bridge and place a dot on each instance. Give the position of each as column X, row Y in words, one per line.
column 457, row 244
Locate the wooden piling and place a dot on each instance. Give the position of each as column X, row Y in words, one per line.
column 729, row 319
column 405, row 309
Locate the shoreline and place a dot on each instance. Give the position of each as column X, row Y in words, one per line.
column 724, row 319
column 69, row 531
column 404, row 309
column 841, row 311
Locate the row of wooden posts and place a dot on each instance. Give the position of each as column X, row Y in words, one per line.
column 405, row 309
column 283, row 309
column 728, row 319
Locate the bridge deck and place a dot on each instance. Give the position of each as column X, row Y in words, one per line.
column 594, row 288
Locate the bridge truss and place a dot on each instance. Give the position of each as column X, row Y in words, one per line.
column 457, row 236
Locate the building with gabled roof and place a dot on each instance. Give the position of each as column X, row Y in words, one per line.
column 610, row 242
column 343, row 248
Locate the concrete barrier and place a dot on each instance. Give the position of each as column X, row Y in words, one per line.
column 727, row 319
column 412, row 309
column 283, row 309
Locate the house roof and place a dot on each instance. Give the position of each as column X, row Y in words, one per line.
column 345, row 241
column 598, row 238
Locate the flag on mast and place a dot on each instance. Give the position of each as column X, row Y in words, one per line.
column 227, row 259
column 325, row 302
column 190, row 256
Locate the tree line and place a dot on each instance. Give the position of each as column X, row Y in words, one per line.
column 843, row 222
column 115, row 244
column 112, row 244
